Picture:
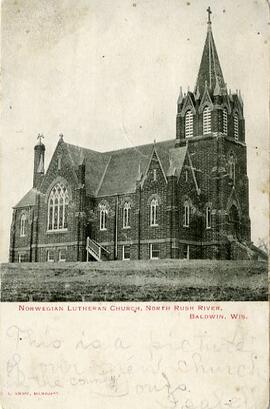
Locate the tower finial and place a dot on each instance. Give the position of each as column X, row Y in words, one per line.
column 180, row 98
column 40, row 137
column 209, row 15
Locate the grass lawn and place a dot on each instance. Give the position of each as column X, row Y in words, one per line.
column 144, row 280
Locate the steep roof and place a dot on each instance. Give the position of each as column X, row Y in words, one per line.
column 95, row 165
column 122, row 170
column 210, row 71
column 29, row 199
column 116, row 172
column 177, row 158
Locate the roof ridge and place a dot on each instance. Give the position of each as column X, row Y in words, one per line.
column 140, row 146
column 81, row 147
column 120, row 149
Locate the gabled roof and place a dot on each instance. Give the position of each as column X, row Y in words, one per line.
column 210, row 70
column 95, row 165
column 154, row 158
column 206, row 99
column 122, row 170
column 29, row 199
column 116, row 172
column 189, row 102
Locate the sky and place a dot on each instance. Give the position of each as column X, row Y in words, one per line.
column 107, row 74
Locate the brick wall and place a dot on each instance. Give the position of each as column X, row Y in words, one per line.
column 204, row 182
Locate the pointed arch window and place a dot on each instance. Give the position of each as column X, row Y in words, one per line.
column 186, row 214
column 188, row 124
column 59, row 162
column 126, row 215
column 206, row 120
column 236, row 125
column 232, row 167
column 154, row 212
column 50, row 256
column 103, row 217
column 58, row 208
column 23, row 226
column 225, row 121
column 208, row 217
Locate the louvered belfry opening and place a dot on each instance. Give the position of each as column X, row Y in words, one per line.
column 206, row 120
column 188, row 124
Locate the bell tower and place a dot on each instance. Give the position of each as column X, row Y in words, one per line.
column 210, row 121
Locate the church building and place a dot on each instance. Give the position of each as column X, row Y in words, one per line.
column 185, row 197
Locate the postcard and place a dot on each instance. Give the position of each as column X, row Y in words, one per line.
column 134, row 204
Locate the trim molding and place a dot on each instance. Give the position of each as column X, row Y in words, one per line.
column 173, row 240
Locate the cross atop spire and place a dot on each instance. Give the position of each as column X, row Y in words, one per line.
column 40, row 137
column 209, row 15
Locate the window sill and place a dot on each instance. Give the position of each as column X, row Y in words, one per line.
column 22, row 235
column 103, row 229
column 126, row 259
column 154, row 225
column 56, row 231
column 185, row 225
column 208, row 228
column 126, row 227
column 154, row 258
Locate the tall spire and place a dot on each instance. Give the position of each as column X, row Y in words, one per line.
column 210, row 69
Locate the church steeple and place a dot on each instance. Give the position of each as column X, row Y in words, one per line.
column 210, row 70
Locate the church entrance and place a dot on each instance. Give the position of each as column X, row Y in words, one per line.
column 88, row 230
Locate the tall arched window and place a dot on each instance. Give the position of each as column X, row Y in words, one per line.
column 225, row 121
column 23, row 225
column 206, row 120
column 186, row 214
column 208, row 217
column 235, row 125
column 232, row 167
column 126, row 215
column 58, row 207
column 103, row 217
column 188, row 124
column 154, row 212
